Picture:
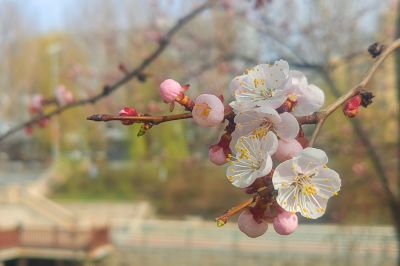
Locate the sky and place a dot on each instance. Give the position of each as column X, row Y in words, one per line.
column 47, row 13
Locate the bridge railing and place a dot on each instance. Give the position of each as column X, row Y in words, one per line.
column 76, row 239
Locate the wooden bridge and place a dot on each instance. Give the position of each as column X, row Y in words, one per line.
column 54, row 244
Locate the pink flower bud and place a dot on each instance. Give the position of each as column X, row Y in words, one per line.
column 208, row 110
column 285, row 223
column 43, row 122
column 352, row 106
column 217, row 155
column 287, row 149
column 128, row 111
column 63, row 95
column 249, row 226
column 36, row 103
column 169, row 90
column 28, row 130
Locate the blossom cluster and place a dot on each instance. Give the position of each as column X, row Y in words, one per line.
column 267, row 100
column 264, row 145
column 37, row 104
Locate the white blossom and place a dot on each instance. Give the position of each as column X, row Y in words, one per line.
column 305, row 184
column 263, row 85
column 252, row 159
column 308, row 97
column 264, row 119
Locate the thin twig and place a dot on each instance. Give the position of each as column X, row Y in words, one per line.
column 107, row 90
column 354, row 91
column 140, row 119
column 223, row 219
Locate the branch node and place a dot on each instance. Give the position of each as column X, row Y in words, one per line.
column 375, row 49
column 106, row 90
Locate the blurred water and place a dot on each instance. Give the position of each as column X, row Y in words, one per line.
column 202, row 243
column 12, row 173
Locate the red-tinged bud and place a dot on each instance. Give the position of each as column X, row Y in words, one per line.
column 219, row 153
column 257, row 184
column 288, row 105
column 272, row 211
column 28, row 130
column 216, row 155
column 36, row 104
column 285, row 223
column 44, row 122
column 123, row 69
column 352, row 106
column 261, row 182
column 301, row 138
column 128, row 111
column 249, row 226
column 366, row 98
column 170, row 90
column 258, row 211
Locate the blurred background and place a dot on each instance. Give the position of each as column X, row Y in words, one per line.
column 77, row 192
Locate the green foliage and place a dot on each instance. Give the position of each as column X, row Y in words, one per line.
column 183, row 188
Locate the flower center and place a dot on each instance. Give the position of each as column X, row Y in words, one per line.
column 244, row 154
column 204, row 109
column 264, row 128
column 259, row 82
column 306, row 187
column 309, row 190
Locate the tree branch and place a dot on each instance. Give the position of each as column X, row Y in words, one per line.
column 108, row 89
column 354, row 91
column 140, row 119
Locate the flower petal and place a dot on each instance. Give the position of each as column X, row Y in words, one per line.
column 237, row 84
column 273, row 102
column 311, row 158
column 327, row 182
column 242, row 106
column 265, row 168
column 309, row 100
column 298, row 78
column 269, row 143
column 312, row 206
column 288, row 128
column 287, row 198
column 284, row 174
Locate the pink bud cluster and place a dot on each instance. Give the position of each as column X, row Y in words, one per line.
column 283, row 222
column 207, row 109
column 270, row 155
column 38, row 102
column 128, row 111
column 63, row 95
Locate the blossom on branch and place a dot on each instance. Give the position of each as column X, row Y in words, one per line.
column 36, row 104
column 63, row 95
column 252, row 159
column 169, row 90
column 249, row 226
column 305, row 98
column 208, row 110
column 265, row 119
column 305, row 184
column 263, row 85
column 128, row 111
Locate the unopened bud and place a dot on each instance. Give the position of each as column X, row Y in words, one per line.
column 352, row 106
column 366, row 98
column 249, row 226
column 208, row 110
column 375, row 49
column 285, row 223
column 169, row 90
column 128, row 111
